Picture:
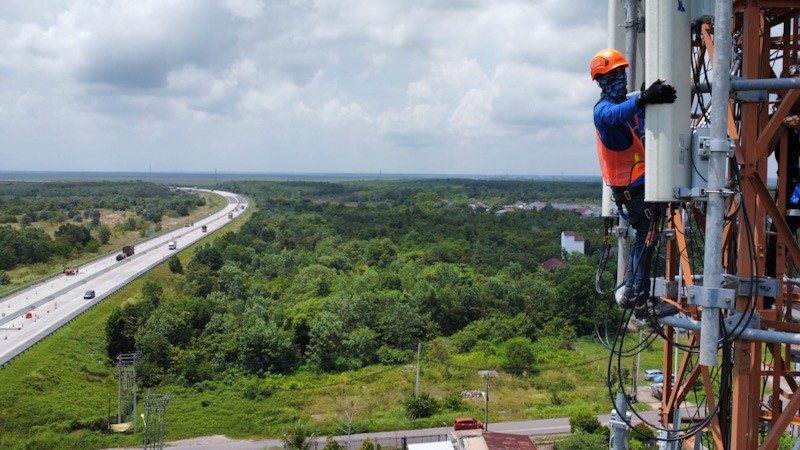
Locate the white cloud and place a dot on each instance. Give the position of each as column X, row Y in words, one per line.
column 275, row 98
column 335, row 111
column 473, row 112
column 248, row 9
column 405, row 86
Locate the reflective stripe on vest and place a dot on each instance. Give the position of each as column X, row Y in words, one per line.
column 621, row 167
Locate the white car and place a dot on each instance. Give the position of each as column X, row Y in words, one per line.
column 650, row 374
column 657, row 390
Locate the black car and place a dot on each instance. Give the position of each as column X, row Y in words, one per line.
column 121, row 256
column 89, row 294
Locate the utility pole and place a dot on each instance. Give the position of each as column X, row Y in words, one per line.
column 419, row 353
column 636, row 374
column 486, row 404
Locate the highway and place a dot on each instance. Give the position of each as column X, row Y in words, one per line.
column 28, row 316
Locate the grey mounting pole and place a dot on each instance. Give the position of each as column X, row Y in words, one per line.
column 718, row 158
column 631, row 30
column 676, row 426
column 619, row 426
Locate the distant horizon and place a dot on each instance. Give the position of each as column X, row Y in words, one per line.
column 220, row 176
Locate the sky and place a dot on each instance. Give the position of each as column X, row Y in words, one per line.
column 487, row 87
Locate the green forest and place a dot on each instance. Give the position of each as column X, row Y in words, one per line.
column 331, row 277
column 320, row 298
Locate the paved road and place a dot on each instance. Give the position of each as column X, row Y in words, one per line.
column 28, row 316
column 528, row 428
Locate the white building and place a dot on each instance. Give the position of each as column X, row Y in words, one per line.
column 571, row 243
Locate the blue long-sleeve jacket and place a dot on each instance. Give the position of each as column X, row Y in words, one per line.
column 614, row 122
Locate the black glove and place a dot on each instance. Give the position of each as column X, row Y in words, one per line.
column 658, row 92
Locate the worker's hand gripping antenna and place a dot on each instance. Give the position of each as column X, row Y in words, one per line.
column 658, row 92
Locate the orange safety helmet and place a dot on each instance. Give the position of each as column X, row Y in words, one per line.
column 605, row 61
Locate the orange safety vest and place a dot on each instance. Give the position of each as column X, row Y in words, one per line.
column 621, row 167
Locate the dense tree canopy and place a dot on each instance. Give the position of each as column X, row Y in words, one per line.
column 337, row 276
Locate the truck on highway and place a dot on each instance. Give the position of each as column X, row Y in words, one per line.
column 230, row 215
column 127, row 250
column 205, row 228
column 172, row 245
column 70, row 271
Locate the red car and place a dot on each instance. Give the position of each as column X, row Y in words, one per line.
column 467, row 423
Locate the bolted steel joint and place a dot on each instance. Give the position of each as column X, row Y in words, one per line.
column 708, row 297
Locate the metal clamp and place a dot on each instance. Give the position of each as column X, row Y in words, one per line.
column 708, row 297
column 752, row 286
column 615, row 422
column 620, row 232
column 664, row 288
column 708, row 146
column 722, row 192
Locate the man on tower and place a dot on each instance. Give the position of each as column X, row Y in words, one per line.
column 619, row 122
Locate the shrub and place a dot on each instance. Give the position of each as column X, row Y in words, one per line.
column 583, row 421
column 391, row 356
column 453, row 401
column 584, row 441
column 103, row 233
column 330, row 444
column 174, row 265
column 519, row 355
column 424, row 406
column 367, row 444
column 298, row 437
column 642, row 433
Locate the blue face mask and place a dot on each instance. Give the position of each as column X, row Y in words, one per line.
column 614, row 87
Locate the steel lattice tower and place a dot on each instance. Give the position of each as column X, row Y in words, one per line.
column 755, row 399
column 154, row 420
column 126, row 390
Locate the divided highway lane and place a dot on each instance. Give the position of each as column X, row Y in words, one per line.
column 29, row 316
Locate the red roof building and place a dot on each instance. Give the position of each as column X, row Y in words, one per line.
column 553, row 263
column 503, row 441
